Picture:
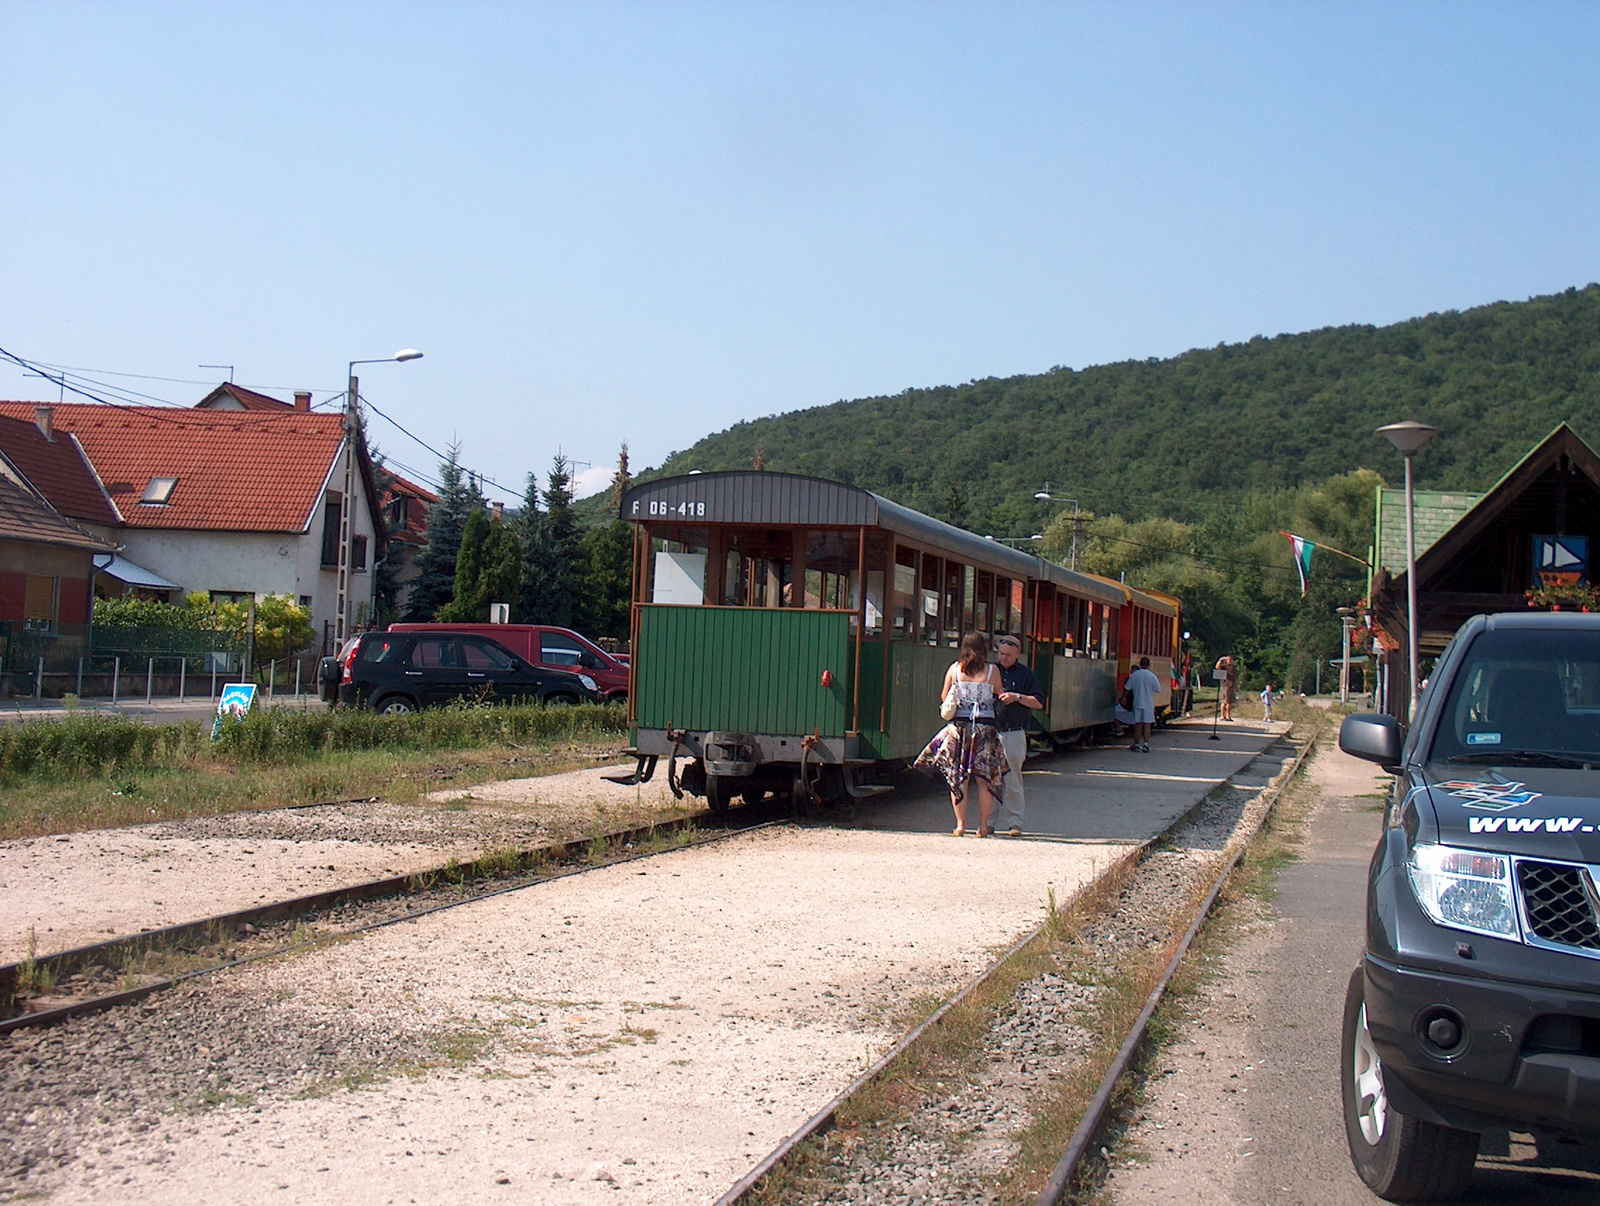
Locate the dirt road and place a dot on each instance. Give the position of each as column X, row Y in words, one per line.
column 1245, row 1108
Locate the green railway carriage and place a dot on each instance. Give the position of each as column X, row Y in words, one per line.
column 791, row 633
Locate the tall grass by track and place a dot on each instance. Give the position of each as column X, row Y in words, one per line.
column 89, row 745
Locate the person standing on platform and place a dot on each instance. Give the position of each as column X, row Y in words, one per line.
column 1021, row 694
column 1266, row 703
column 1228, row 689
column 1143, row 685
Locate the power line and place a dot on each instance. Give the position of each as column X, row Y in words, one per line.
column 506, row 490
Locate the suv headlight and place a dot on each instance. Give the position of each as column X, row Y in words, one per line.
column 588, row 682
column 1467, row 889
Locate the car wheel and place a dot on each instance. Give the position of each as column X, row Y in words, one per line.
column 565, row 701
column 1401, row 1159
column 394, row 705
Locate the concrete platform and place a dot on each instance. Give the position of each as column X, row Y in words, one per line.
column 1098, row 794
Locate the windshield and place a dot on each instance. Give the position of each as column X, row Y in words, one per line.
column 1522, row 692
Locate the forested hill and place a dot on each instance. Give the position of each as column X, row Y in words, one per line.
column 1178, row 437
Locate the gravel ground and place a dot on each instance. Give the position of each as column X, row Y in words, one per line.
column 953, row 1151
column 643, row 1032
column 79, row 888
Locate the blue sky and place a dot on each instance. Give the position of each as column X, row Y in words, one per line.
column 644, row 223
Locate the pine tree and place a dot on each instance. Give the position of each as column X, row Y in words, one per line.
column 552, row 549
column 468, row 606
column 605, row 573
column 459, row 497
column 488, row 570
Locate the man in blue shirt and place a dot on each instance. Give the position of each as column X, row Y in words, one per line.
column 1143, row 685
column 1020, row 693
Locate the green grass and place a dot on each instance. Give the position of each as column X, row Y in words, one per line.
column 89, row 770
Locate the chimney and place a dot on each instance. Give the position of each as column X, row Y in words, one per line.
column 302, row 399
column 499, row 511
column 44, row 420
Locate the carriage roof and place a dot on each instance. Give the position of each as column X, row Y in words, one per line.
column 792, row 500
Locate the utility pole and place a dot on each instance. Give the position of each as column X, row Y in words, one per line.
column 352, row 429
column 342, row 615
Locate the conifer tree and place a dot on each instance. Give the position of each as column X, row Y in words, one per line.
column 488, row 570
column 459, row 496
column 553, row 551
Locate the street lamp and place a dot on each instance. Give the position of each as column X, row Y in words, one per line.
column 346, row 497
column 1077, row 524
column 1409, row 438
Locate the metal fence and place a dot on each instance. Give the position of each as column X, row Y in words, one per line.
column 126, row 663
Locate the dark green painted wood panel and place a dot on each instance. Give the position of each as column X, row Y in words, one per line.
column 743, row 669
column 915, row 676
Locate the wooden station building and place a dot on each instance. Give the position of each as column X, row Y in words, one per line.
column 1480, row 553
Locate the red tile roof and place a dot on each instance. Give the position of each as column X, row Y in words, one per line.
column 56, row 469
column 29, row 520
column 247, row 398
column 415, row 530
column 239, row 471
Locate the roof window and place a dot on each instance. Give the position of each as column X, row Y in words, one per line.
column 159, row 492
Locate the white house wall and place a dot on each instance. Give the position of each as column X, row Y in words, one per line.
column 264, row 563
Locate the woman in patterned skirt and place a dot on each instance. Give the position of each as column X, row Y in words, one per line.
column 968, row 750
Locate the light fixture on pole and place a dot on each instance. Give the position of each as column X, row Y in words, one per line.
column 1346, row 623
column 1409, row 438
column 1077, row 522
column 352, row 427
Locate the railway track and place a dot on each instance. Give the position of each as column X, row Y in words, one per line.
column 808, row 1166
column 102, row 975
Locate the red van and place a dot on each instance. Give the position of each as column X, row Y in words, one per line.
column 549, row 648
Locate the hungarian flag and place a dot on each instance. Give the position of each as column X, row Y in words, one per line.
column 1303, row 549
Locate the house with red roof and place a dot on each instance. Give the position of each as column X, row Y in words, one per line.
column 47, row 561
column 405, row 520
column 238, row 496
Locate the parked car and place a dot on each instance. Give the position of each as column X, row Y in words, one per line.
column 330, row 670
column 548, row 648
column 404, row 671
column 1477, row 1003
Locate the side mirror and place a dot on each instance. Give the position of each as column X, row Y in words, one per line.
column 516, row 666
column 587, row 660
column 1372, row 736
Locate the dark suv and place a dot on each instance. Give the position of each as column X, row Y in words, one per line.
column 403, row 671
column 1477, row 1004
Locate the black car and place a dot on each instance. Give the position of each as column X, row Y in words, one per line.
column 404, row 671
column 1477, row 1004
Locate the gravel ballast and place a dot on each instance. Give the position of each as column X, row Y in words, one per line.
column 642, row 1032
column 75, row 889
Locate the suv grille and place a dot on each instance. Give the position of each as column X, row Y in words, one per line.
column 1558, row 904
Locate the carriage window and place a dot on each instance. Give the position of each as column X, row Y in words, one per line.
column 955, row 575
column 831, row 570
column 757, row 568
column 678, row 565
column 1018, row 597
column 877, row 559
column 983, row 602
column 932, row 574
column 905, row 594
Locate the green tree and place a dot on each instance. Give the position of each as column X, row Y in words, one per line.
column 459, row 497
column 283, row 627
column 488, row 570
column 553, row 550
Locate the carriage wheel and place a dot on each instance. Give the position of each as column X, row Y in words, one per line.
column 718, row 797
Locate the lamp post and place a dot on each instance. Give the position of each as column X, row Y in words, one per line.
column 1409, row 438
column 1077, row 522
column 1346, row 623
column 352, row 426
